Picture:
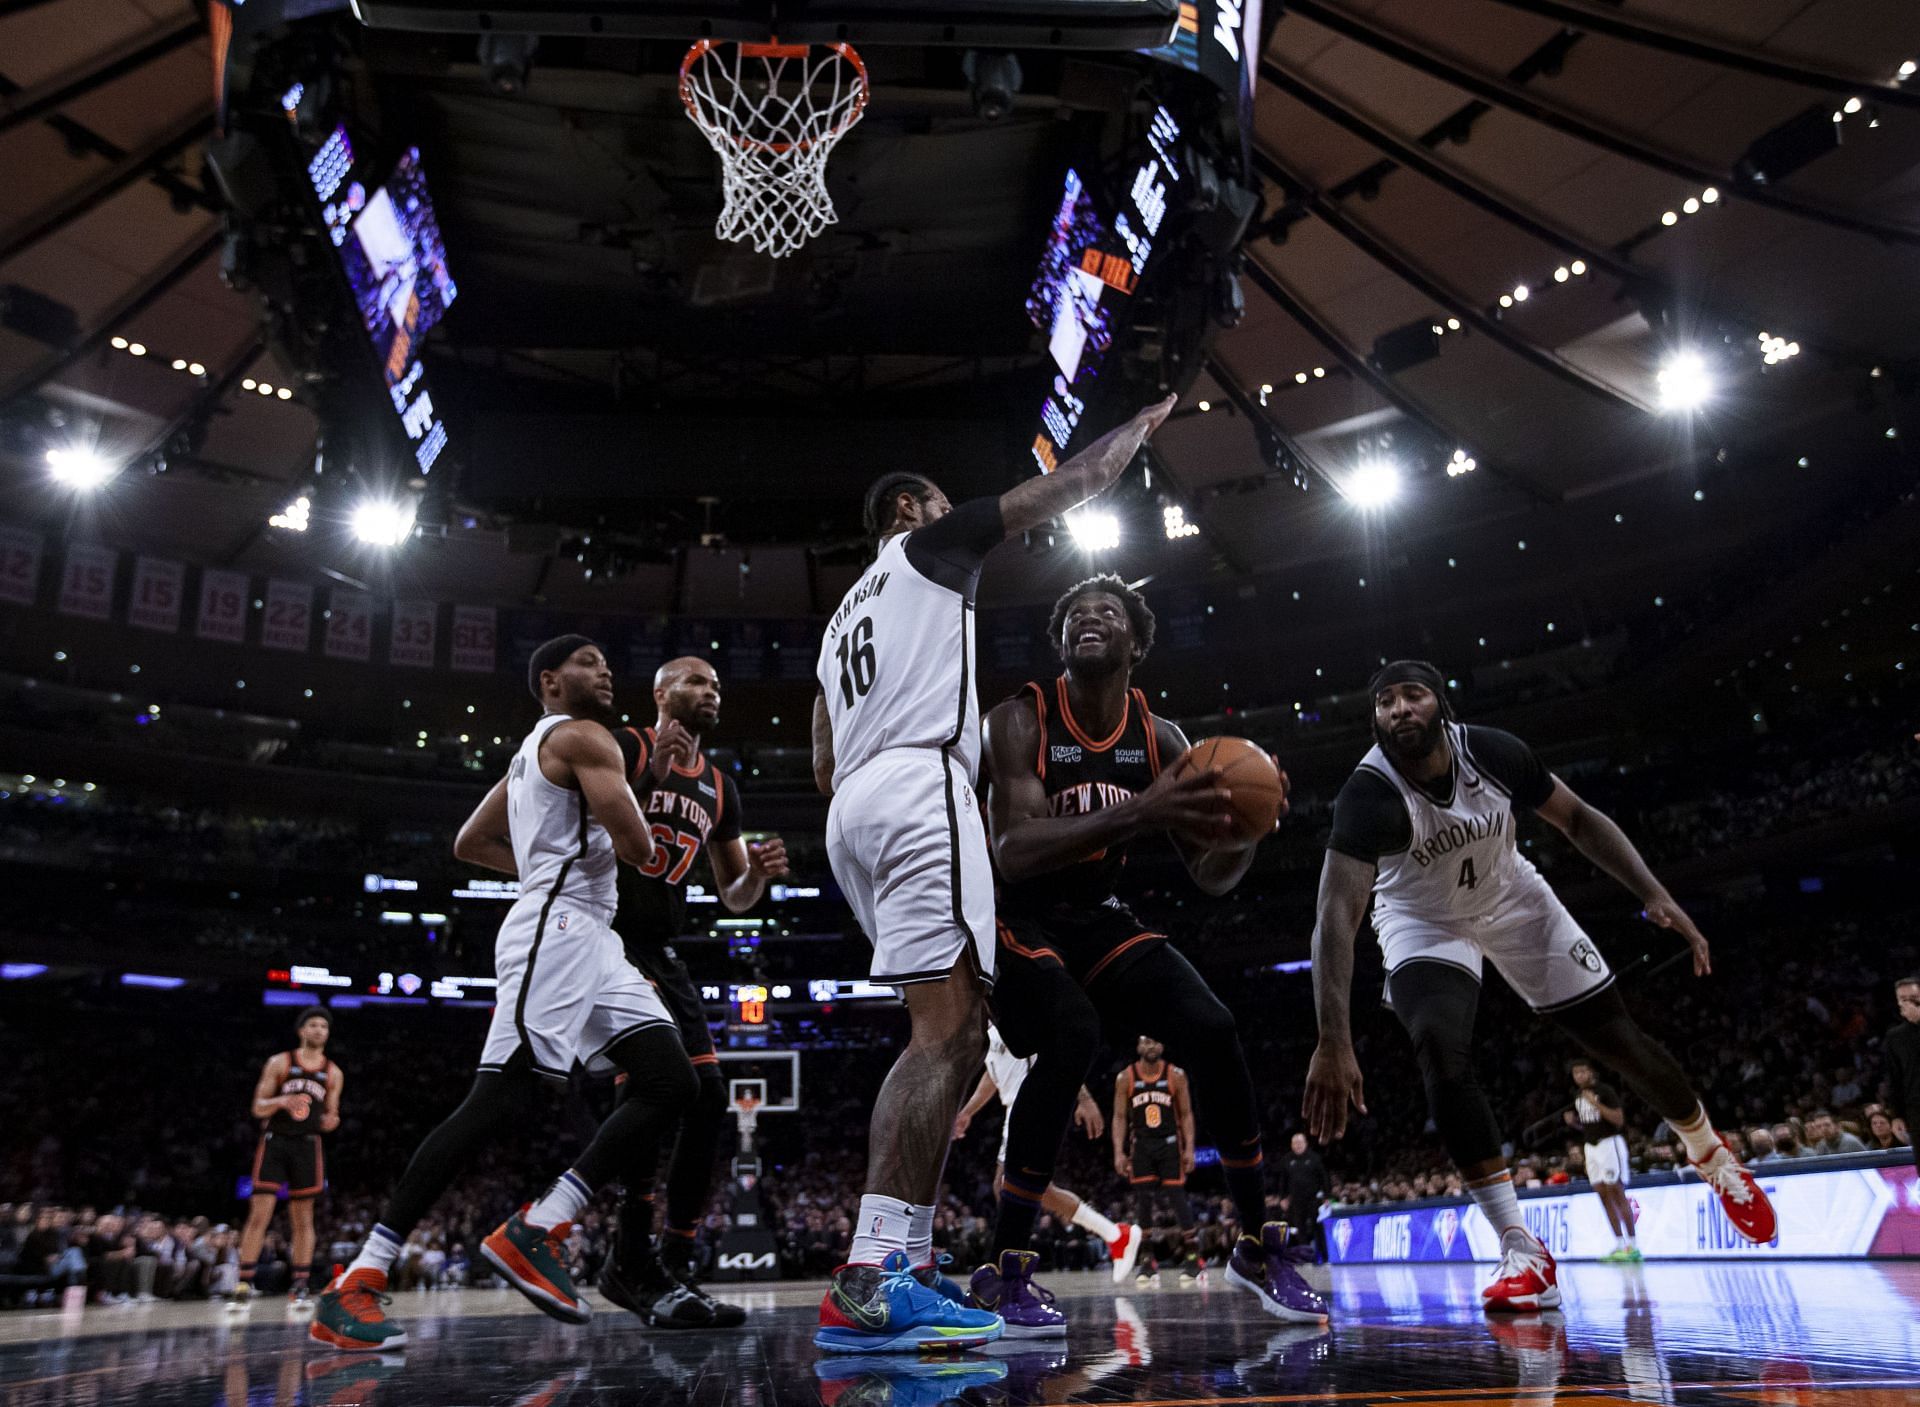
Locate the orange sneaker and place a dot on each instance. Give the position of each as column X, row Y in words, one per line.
column 350, row 1314
column 534, row 1262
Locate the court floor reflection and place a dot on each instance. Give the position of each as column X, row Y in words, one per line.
column 1810, row 1334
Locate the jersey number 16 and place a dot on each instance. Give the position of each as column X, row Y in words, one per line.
column 856, row 661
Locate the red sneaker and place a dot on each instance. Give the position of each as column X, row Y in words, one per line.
column 1740, row 1196
column 1124, row 1250
column 1526, row 1280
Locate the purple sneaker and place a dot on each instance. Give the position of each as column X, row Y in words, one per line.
column 1008, row 1290
column 1266, row 1267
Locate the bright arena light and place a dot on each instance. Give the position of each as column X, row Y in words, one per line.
column 1176, row 522
column 381, row 522
column 1684, row 382
column 78, row 468
column 296, row 516
column 1372, row 484
column 1095, row 529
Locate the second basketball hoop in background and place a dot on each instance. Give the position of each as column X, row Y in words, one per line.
column 773, row 113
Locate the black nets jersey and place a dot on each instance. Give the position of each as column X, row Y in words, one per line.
column 1150, row 1114
column 1083, row 774
column 305, row 1115
column 692, row 808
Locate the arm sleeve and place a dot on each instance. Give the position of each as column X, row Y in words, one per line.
column 1513, row 764
column 952, row 550
column 1369, row 819
column 728, row 827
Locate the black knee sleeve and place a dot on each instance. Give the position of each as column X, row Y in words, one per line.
column 498, row 1100
column 690, row 1172
column 1607, row 1031
column 1436, row 1002
column 1065, row 1048
column 660, row 1085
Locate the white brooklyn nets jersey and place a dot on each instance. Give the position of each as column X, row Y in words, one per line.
column 558, row 847
column 1462, row 865
column 896, row 667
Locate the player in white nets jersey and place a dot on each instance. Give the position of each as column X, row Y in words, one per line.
column 896, row 743
column 560, row 820
column 1426, row 824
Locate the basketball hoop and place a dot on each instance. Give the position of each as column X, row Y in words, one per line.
column 746, row 1111
column 773, row 146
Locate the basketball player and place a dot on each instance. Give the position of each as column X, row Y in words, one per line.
column 1599, row 1115
column 1426, row 825
column 297, row 1099
column 1077, row 768
column 1004, row 1075
column 560, row 820
column 1153, row 1136
column 896, row 743
column 690, row 806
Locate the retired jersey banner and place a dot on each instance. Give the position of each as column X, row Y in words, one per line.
column 411, row 643
column 86, row 584
column 349, row 626
column 19, row 566
column 158, row 588
column 289, row 622
column 223, row 606
column 475, row 629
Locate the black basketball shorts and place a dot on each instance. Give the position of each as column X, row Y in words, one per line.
column 289, row 1162
column 662, row 966
column 1156, row 1163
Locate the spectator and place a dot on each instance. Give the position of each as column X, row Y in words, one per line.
column 1305, row 1184
column 1901, row 1048
column 1824, row 1136
column 1880, row 1134
column 1786, row 1142
column 1760, row 1141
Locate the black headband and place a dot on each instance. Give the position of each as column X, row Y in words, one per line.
column 552, row 655
column 310, row 1013
column 1412, row 672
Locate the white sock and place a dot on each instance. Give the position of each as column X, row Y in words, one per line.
column 1494, row 1196
column 1702, row 1142
column 1085, row 1216
column 883, row 1226
column 920, row 1237
column 562, row 1202
column 382, row 1245
column 1627, row 1240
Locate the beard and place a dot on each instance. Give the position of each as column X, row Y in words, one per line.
column 1410, row 748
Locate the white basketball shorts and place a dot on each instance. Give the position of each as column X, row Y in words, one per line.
column 1532, row 941
column 1607, row 1161
column 909, row 851
column 1009, row 1072
column 567, row 991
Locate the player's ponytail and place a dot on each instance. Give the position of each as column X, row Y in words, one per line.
column 879, row 511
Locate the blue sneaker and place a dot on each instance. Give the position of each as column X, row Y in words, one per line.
column 884, row 1309
column 902, row 1380
column 933, row 1277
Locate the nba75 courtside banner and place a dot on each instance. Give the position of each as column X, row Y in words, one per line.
column 1848, row 1212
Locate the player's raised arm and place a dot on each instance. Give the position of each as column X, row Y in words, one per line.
column 590, row 754
column 1028, row 840
column 1215, row 871
column 822, row 746
column 1595, row 834
column 1333, row 1079
column 1092, row 471
column 483, row 839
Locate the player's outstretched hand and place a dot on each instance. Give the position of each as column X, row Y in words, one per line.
column 1189, row 801
column 1669, row 915
column 1086, row 1113
column 768, row 858
column 1333, row 1082
column 672, row 747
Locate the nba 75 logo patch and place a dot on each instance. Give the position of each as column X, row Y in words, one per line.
column 561, row 923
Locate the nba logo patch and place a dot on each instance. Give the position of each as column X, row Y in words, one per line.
column 874, row 1230
column 1342, row 1235
column 561, row 923
column 1448, row 1225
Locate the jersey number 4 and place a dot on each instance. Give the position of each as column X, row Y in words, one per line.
column 1467, row 877
column 856, row 661
column 665, row 839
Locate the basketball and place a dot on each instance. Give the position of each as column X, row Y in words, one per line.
column 1259, row 787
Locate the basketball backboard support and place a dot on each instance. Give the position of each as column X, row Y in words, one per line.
column 1005, row 24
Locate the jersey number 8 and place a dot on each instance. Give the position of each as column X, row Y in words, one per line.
column 856, row 661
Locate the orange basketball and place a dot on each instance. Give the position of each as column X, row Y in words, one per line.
column 1259, row 787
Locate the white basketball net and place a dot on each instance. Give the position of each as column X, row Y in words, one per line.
column 773, row 144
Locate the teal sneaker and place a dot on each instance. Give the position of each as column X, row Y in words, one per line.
column 884, row 1309
column 532, row 1261
column 350, row 1315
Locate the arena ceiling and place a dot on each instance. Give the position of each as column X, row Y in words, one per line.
column 1424, row 160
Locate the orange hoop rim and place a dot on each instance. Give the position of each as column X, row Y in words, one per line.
column 774, row 50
